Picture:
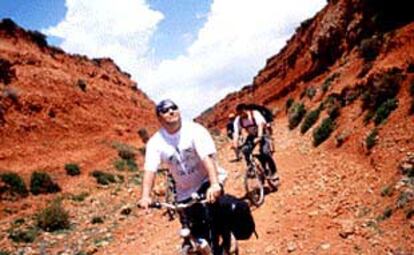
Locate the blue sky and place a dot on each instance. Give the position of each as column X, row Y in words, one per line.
column 193, row 51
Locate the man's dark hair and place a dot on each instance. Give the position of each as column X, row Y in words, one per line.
column 241, row 107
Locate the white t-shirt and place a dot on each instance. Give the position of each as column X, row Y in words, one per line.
column 249, row 124
column 183, row 152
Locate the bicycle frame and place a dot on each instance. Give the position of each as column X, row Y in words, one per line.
column 191, row 245
column 209, row 243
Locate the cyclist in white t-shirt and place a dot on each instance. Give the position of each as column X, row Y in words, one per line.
column 189, row 152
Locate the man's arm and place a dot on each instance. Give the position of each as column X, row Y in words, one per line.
column 147, row 185
column 214, row 191
column 236, row 133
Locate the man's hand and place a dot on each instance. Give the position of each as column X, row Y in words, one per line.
column 213, row 192
column 144, row 202
column 257, row 140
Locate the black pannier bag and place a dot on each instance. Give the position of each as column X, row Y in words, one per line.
column 237, row 215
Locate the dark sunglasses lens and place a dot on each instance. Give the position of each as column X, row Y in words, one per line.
column 165, row 110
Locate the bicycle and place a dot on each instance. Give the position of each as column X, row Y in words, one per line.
column 206, row 245
column 257, row 173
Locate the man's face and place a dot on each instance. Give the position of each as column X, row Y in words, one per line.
column 169, row 115
column 242, row 113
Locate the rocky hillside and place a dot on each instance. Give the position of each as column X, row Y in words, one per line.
column 344, row 46
column 57, row 108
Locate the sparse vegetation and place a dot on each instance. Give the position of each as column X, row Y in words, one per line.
column 72, row 169
column 14, row 185
column 323, row 132
column 296, row 113
column 289, row 103
column 366, row 67
column 38, row 38
column 82, row 85
column 328, row 82
column 310, row 119
column 370, row 48
column 54, row 217
column 80, row 197
column 103, row 178
column 24, row 235
column 310, row 92
column 371, row 139
column 384, row 110
column 341, row 138
column 41, row 183
column 6, row 73
column 97, row 220
column 381, row 88
column 387, row 191
column 334, row 111
column 385, row 215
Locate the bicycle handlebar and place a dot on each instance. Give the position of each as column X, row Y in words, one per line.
column 196, row 199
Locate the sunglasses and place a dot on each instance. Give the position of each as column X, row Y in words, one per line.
column 167, row 109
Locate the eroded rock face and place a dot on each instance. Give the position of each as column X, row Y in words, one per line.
column 56, row 107
column 330, row 42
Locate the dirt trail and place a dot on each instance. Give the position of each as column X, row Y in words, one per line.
column 324, row 206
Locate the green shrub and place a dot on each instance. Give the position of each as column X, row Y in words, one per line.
column 289, row 103
column 41, row 183
column 53, row 217
column 82, row 84
column 142, row 150
column 2, row 252
column 103, row 177
column 384, row 110
column 23, row 235
column 371, row 139
column 126, row 153
column 381, row 88
column 327, row 83
column 97, row 220
column 386, row 214
column 120, row 164
column 334, row 111
column 323, row 131
column 341, row 138
column 403, row 199
column 310, row 119
column 387, row 191
column 80, row 197
column 14, row 185
column 370, row 48
column 310, row 92
column 296, row 113
column 72, row 169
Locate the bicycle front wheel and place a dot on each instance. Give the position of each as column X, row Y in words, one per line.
column 253, row 184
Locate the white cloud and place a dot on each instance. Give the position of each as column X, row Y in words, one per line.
column 229, row 50
column 103, row 28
